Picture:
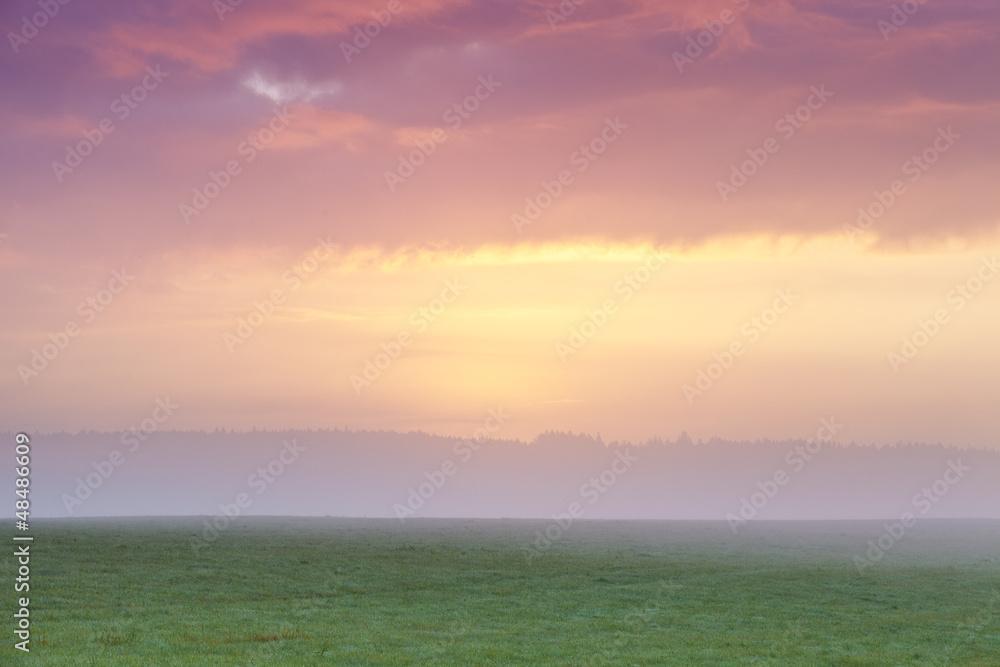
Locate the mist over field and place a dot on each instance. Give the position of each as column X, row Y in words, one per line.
column 387, row 474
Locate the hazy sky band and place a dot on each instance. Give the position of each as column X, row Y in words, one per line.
column 759, row 146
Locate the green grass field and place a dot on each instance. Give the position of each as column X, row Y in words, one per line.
column 275, row 591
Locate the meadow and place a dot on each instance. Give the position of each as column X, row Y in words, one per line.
column 322, row 591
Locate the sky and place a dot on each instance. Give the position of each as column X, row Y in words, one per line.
column 638, row 219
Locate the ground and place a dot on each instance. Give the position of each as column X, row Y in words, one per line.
column 276, row 591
